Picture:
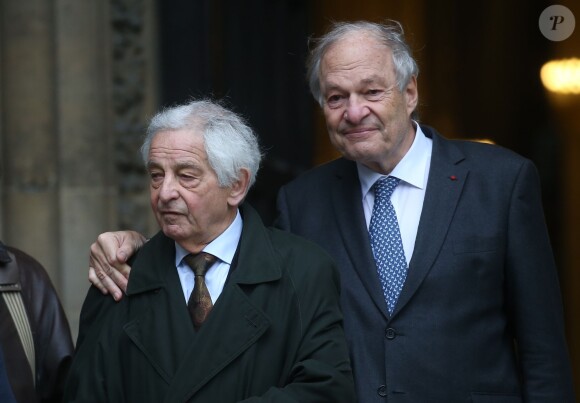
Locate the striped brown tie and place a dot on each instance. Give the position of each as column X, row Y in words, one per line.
column 199, row 303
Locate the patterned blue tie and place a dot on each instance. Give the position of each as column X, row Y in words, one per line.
column 386, row 241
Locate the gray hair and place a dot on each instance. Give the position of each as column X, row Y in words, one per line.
column 230, row 144
column 390, row 34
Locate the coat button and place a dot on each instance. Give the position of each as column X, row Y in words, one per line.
column 390, row 333
column 382, row 391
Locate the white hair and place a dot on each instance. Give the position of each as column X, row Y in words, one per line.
column 230, row 144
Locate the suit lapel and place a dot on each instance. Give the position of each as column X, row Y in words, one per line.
column 235, row 322
column 444, row 187
column 160, row 326
column 350, row 219
column 186, row 360
column 233, row 326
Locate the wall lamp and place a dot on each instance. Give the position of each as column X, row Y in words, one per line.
column 562, row 76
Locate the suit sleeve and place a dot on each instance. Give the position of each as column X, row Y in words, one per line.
column 533, row 296
column 321, row 370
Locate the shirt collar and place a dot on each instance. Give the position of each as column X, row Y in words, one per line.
column 411, row 169
column 223, row 247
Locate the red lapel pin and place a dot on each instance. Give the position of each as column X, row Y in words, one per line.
column 453, row 177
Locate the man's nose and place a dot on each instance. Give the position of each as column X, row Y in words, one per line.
column 356, row 110
column 168, row 189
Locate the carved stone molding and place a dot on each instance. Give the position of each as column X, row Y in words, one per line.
column 128, row 99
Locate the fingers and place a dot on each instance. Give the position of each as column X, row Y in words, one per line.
column 120, row 276
column 102, row 271
column 129, row 243
column 106, row 247
column 113, row 283
column 108, row 270
column 96, row 280
column 102, row 257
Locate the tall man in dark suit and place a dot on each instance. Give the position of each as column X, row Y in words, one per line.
column 265, row 319
column 475, row 313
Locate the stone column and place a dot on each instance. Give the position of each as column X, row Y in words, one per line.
column 30, row 214
column 59, row 180
column 86, row 168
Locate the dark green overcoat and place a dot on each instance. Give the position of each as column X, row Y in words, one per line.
column 274, row 335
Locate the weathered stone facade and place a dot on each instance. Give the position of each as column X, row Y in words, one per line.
column 75, row 89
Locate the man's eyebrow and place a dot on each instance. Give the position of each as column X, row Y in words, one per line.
column 152, row 164
column 374, row 79
column 332, row 86
column 179, row 165
column 186, row 165
column 370, row 80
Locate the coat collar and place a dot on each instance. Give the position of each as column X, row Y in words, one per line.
column 234, row 325
column 4, row 257
column 257, row 261
column 9, row 274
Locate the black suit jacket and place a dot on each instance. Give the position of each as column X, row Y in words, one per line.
column 274, row 334
column 480, row 316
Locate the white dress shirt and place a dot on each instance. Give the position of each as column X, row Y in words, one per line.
column 224, row 248
column 407, row 199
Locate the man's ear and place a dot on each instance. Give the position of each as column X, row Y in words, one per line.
column 239, row 188
column 412, row 95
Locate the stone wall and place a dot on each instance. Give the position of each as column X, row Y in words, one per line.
column 76, row 87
